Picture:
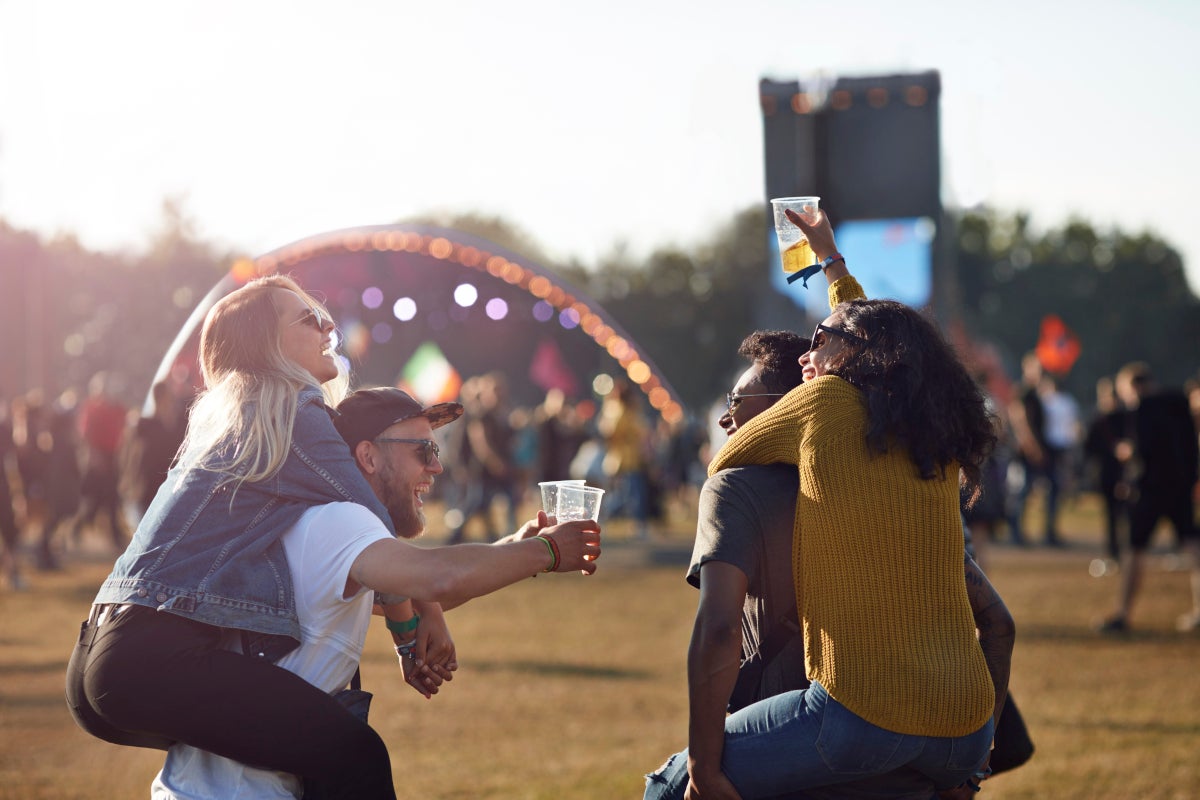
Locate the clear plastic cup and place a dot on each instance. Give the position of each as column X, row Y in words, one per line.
column 578, row 502
column 550, row 494
column 794, row 250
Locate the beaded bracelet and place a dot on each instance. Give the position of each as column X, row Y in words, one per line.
column 406, row 650
column 407, row 626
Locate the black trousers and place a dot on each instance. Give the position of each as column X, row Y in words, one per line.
column 151, row 679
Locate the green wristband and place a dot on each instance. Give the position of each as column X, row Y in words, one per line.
column 553, row 550
column 408, row 626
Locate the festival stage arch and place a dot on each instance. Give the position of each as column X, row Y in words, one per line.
column 394, row 288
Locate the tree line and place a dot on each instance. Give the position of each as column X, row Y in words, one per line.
column 67, row 312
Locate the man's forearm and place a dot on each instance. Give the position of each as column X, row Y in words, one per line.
column 452, row 575
column 997, row 631
column 713, row 659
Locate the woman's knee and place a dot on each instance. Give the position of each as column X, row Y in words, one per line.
column 668, row 781
column 360, row 766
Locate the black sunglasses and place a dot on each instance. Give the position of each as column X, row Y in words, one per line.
column 819, row 338
column 732, row 401
column 316, row 318
column 429, row 448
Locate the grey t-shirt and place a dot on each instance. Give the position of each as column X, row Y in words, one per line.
column 745, row 519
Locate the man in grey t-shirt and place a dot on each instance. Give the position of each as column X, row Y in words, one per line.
column 742, row 565
column 745, row 523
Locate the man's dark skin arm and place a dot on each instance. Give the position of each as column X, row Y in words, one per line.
column 997, row 634
column 997, row 631
column 714, row 656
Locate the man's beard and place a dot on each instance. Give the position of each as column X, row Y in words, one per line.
column 408, row 520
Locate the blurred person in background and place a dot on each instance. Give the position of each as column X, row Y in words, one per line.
column 983, row 516
column 488, row 440
column 460, row 489
column 1027, row 416
column 559, row 436
column 62, row 494
column 1104, row 431
column 680, row 445
column 524, row 453
column 625, row 434
column 10, row 533
column 101, row 421
column 154, row 443
column 1064, row 432
column 29, row 426
column 1160, row 458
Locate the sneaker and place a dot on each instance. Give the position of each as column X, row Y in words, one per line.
column 1113, row 625
column 1100, row 567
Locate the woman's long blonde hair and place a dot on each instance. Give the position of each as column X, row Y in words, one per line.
column 251, row 389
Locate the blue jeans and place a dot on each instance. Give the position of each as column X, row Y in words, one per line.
column 806, row 739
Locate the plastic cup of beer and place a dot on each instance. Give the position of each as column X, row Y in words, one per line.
column 576, row 501
column 550, row 494
column 794, row 250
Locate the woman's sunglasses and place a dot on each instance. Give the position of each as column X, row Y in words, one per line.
column 315, row 318
column 819, row 338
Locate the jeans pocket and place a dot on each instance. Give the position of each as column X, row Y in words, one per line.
column 849, row 745
column 966, row 753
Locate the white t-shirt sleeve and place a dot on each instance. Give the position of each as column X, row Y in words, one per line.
column 322, row 546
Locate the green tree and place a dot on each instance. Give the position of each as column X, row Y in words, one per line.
column 1125, row 296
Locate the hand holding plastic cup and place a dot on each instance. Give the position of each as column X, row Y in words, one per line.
column 794, row 250
column 550, row 494
column 576, row 501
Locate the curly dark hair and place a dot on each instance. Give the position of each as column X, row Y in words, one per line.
column 919, row 395
column 779, row 354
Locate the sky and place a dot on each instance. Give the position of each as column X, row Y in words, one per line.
column 586, row 125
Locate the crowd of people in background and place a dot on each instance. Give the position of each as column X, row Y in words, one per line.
column 71, row 466
column 889, row 446
column 91, row 464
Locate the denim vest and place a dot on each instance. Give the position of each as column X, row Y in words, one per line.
column 212, row 553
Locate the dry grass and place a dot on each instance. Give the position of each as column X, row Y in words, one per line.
column 576, row 687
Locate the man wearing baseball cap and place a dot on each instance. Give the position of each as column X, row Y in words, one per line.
column 338, row 553
column 383, row 424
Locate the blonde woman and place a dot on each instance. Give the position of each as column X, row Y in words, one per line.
column 205, row 571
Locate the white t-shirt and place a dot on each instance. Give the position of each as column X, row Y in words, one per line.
column 320, row 548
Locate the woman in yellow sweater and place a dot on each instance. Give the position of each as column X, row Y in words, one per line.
column 881, row 430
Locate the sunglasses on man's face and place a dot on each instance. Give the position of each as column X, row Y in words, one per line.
column 732, row 401
column 429, row 448
column 315, row 318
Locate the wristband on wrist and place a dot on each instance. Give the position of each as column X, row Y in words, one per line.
column 829, row 262
column 553, row 548
column 806, row 273
column 406, row 650
column 402, row 627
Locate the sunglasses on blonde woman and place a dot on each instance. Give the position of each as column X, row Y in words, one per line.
column 315, row 318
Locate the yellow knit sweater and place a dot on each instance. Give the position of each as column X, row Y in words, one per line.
column 888, row 628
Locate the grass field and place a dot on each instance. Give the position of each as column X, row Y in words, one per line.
column 575, row 687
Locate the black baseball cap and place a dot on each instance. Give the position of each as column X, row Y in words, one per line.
column 366, row 413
